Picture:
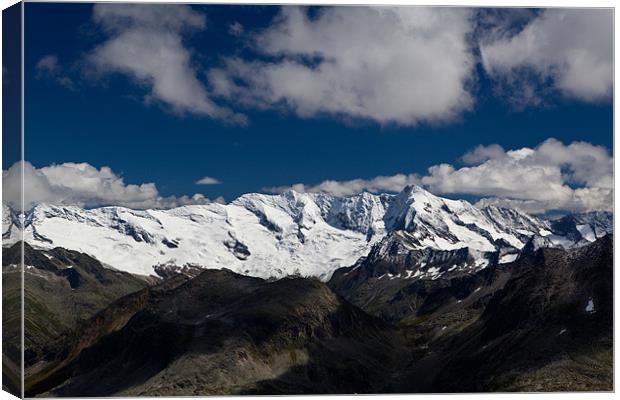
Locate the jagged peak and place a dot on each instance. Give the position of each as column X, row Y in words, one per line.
column 411, row 190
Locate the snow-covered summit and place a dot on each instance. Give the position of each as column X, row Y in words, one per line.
column 276, row 235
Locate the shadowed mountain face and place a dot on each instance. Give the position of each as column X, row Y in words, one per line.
column 543, row 322
column 223, row 333
column 549, row 328
column 398, row 283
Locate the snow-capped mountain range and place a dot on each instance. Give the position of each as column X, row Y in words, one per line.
column 272, row 236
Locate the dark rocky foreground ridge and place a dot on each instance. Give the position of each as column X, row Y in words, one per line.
column 63, row 288
column 224, row 333
column 540, row 323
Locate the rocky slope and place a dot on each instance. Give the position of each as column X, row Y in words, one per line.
column 62, row 288
column 540, row 323
column 400, row 264
column 223, row 333
column 550, row 328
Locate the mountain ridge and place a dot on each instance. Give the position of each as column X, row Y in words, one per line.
column 272, row 236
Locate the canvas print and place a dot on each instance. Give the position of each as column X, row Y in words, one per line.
column 250, row 199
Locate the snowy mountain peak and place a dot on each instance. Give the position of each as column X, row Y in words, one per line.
column 410, row 190
column 292, row 233
column 363, row 213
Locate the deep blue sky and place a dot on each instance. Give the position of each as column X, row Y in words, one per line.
column 11, row 90
column 107, row 124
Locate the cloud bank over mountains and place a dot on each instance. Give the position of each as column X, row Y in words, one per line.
column 83, row 185
column 397, row 65
column 551, row 176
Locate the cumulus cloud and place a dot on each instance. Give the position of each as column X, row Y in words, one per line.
column 208, row 180
column 571, row 49
column 48, row 67
column 83, row 185
column 145, row 42
column 551, row 176
column 401, row 65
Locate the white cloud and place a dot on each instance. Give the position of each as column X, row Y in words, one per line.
column 145, row 42
column 49, row 67
column 577, row 177
column 84, row 185
column 572, row 48
column 379, row 184
column 208, row 180
column 401, row 65
column 552, row 176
